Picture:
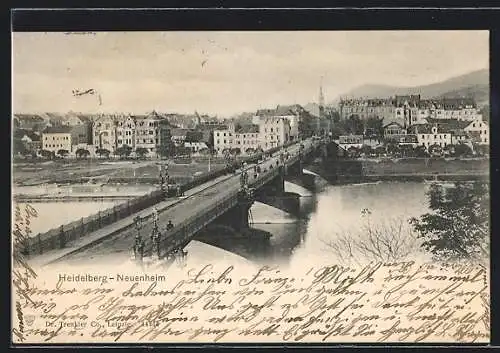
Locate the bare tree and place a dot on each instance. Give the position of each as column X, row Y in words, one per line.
column 392, row 240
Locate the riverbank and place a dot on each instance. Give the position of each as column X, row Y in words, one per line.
column 95, row 171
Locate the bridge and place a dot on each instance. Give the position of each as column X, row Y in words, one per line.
column 227, row 200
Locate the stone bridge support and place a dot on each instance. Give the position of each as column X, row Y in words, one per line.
column 237, row 217
column 273, row 194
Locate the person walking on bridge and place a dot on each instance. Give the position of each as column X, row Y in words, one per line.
column 170, row 225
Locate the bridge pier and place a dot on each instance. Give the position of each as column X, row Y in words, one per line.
column 287, row 201
column 237, row 217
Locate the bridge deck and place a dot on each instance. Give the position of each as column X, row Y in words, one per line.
column 188, row 216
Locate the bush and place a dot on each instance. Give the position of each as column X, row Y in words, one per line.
column 458, row 226
column 392, row 240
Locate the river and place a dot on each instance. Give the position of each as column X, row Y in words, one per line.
column 334, row 212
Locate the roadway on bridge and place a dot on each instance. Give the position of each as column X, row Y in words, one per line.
column 118, row 248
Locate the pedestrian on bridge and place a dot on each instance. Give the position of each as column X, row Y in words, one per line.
column 170, row 226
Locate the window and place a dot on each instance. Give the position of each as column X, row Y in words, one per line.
column 435, row 136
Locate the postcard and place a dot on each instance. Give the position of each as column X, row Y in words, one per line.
column 250, row 187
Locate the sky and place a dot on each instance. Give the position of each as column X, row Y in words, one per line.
column 224, row 73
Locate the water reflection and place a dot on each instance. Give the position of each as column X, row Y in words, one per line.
column 337, row 210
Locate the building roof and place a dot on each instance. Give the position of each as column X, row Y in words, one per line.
column 179, row 131
column 281, row 110
column 28, row 118
column 58, row 130
column 449, row 124
column 393, row 123
column 246, row 129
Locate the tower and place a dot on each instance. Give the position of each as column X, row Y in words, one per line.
column 321, row 100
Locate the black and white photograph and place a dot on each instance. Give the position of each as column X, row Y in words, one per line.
column 250, row 186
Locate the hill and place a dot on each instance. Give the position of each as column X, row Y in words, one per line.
column 474, row 84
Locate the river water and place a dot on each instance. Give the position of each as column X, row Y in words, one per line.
column 332, row 213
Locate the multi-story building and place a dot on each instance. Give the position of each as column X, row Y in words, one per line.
column 410, row 109
column 196, row 147
column 104, row 134
column 125, row 132
column 273, row 132
column 393, row 131
column 289, row 112
column 480, row 129
column 57, row 138
column 223, row 139
column 246, row 139
column 432, row 134
column 147, row 133
column 348, row 141
column 166, row 146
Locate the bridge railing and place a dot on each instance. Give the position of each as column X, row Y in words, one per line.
column 58, row 237
column 180, row 234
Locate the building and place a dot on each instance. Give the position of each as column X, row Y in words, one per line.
column 480, row 129
column 223, row 139
column 104, row 134
column 57, row 138
column 290, row 112
column 147, row 134
column 31, row 122
column 394, row 131
column 166, row 146
column 410, row 109
column 273, row 132
column 178, row 136
column 125, row 132
column 245, row 140
column 196, row 147
column 81, row 133
column 348, row 141
column 432, row 134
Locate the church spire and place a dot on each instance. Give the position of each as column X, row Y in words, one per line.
column 321, row 100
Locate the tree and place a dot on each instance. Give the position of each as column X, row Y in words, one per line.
column 63, row 153
column 481, row 150
column 141, row 152
column 123, row 151
column 19, row 147
column 354, row 125
column 393, row 148
column 47, row 154
column 374, row 126
column 390, row 240
column 380, row 150
column 236, row 151
column 103, row 152
column 462, row 150
column 82, row 153
column 353, row 152
column 249, row 151
column 407, row 150
column 435, row 150
column 420, row 151
column 366, row 149
column 194, row 136
column 458, row 226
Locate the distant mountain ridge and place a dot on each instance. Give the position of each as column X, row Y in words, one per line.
column 474, row 84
